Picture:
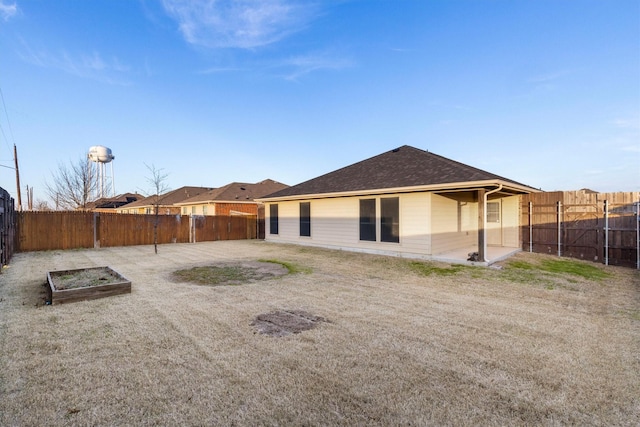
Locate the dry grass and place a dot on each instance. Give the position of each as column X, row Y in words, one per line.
column 404, row 345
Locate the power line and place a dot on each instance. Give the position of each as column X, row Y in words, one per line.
column 6, row 113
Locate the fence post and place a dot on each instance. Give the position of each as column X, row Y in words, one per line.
column 606, row 232
column 530, row 226
column 96, row 230
column 638, row 235
column 559, row 228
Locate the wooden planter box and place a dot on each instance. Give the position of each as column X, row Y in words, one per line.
column 85, row 284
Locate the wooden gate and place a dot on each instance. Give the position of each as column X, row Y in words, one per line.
column 601, row 227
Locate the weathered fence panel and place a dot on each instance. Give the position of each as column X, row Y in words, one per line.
column 132, row 229
column 40, row 231
column 219, row 227
column 7, row 226
column 70, row 230
column 601, row 227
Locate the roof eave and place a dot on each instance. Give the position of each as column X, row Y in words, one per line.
column 469, row 185
column 211, row 202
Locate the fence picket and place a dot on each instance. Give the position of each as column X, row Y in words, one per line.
column 589, row 231
column 39, row 231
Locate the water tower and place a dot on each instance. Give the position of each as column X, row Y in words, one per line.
column 101, row 155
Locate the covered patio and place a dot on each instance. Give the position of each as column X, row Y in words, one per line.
column 461, row 255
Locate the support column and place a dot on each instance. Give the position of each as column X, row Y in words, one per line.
column 481, row 232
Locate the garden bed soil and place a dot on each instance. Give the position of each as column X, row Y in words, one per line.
column 85, row 284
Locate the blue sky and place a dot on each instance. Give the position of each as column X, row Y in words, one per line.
column 546, row 93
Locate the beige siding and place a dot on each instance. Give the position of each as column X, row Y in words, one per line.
column 289, row 220
column 336, row 223
column 415, row 224
column 430, row 224
column 452, row 223
column 511, row 221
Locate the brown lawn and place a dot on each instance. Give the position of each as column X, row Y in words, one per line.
column 402, row 344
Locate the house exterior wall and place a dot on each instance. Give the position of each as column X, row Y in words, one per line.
column 228, row 208
column 430, row 224
column 511, row 222
column 148, row 210
column 335, row 223
column 454, row 222
column 220, row 208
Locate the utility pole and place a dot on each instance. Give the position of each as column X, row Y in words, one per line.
column 15, row 156
column 29, row 198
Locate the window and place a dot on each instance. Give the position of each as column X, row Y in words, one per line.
column 493, row 212
column 305, row 219
column 368, row 220
column 184, row 210
column 204, row 210
column 390, row 220
column 273, row 219
column 193, row 210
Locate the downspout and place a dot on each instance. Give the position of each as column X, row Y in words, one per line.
column 484, row 223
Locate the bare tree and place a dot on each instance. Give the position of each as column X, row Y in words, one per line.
column 157, row 180
column 72, row 186
column 41, row 205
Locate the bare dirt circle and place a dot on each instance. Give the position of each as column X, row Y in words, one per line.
column 230, row 274
column 281, row 323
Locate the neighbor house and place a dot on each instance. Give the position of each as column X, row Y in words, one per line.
column 111, row 204
column 405, row 202
column 166, row 202
column 237, row 198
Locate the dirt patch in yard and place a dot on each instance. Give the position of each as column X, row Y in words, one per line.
column 221, row 274
column 281, row 323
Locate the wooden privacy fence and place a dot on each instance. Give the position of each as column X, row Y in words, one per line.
column 38, row 231
column 601, row 227
column 7, row 226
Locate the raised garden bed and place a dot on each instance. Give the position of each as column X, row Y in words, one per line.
column 85, row 284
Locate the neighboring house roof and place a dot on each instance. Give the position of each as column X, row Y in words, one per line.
column 236, row 192
column 169, row 198
column 403, row 167
column 114, row 202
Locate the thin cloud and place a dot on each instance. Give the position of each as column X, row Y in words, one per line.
column 244, row 24
column 626, row 123
column 299, row 66
column 8, row 11
column 549, row 77
column 91, row 66
column 632, row 148
column 216, row 70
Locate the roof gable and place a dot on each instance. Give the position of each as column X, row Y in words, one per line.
column 237, row 191
column 170, row 197
column 405, row 166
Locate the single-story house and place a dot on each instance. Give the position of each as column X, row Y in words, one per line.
column 236, row 198
column 405, row 202
column 111, row 204
column 166, row 201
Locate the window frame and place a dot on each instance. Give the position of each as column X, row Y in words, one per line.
column 390, row 219
column 493, row 214
column 367, row 221
column 273, row 219
column 305, row 219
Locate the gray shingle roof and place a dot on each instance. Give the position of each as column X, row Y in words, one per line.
column 402, row 167
column 237, row 191
column 170, row 197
